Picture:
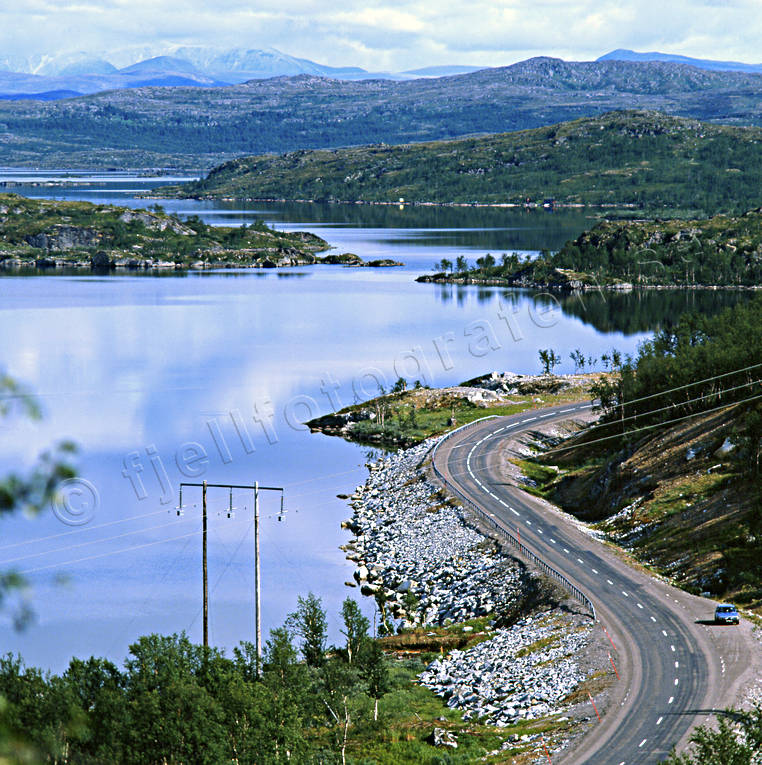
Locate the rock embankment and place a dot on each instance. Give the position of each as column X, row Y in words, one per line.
column 416, row 551
column 522, row 673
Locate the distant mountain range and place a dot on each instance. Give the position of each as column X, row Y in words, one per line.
column 68, row 75
column 75, row 74
column 622, row 54
column 195, row 128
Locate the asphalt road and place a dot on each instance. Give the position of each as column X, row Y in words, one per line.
column 674, row 671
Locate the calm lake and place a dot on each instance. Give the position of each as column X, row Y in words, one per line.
column 209, row 376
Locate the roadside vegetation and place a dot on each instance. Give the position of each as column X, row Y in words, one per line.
column 407, row 415
column 737, row 740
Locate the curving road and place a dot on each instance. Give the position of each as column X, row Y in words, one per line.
column 674, row 671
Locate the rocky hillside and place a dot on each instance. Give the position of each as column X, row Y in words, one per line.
column 200, row 127
column 723, row 250
column 673, row 469
column 639, row 159
column 679, row 499
column 46, row 234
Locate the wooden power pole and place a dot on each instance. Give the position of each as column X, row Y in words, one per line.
column 204, row 566
column 257, row 586
column 257, row 574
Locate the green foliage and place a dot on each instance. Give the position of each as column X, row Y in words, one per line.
column 309, row 623
column 722, row 250
column 30, row 492
column 736, row 741
column 375, row 673
column 549, row 360
column 748, row 438
column 355, row 630
column 664, row 382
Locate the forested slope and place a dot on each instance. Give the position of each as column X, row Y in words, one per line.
column 644, row 159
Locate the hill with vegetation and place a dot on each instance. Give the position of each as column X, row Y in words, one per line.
column 673, row 471
column 46, row 233
column 722, row 251
column 645, row 160
column 200, row 127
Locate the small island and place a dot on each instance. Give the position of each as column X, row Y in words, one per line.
column 48, row 234
column 720, row 252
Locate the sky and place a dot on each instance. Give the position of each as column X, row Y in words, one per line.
column 382, row 35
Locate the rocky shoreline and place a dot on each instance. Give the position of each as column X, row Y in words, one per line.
column 415, row 552
column 576, row 285
column 419, row 555
column 105, row 262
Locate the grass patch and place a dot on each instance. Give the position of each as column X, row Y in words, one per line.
column 681, row 495
column 408, row 417
column 595, row 684
column 542, row 476
column 409, row 713
column 538, row 645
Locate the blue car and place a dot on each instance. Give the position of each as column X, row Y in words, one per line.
column 726, row 613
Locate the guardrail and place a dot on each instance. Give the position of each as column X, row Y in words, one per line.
column 501, row 530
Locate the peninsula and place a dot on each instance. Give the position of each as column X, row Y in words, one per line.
column 627, row 159
column 42, row 233
column 719, row 252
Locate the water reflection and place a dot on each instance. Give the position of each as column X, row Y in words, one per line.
column 630, row 313
column 646, row 310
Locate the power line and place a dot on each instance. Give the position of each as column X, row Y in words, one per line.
column 656, row 425
column 690, row 385
column 108, row 554
column 225, row 570
column 80, row 530
column 91, row 542
column 139, row 612
column 115, row 552
column 84, row 529
column 635, row 430
column 671, row 406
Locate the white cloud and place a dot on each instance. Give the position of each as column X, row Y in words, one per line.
column 377, row 34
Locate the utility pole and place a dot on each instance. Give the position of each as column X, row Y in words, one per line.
column 205, row 575
column 257, row 586
column 256, row 488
